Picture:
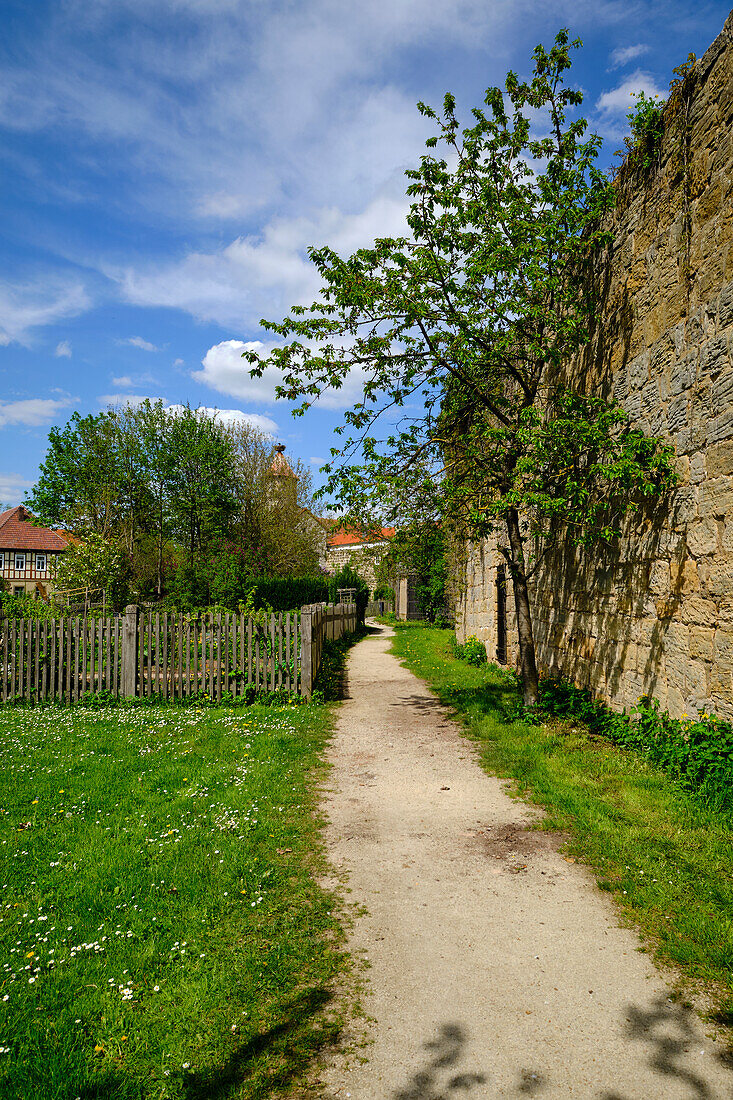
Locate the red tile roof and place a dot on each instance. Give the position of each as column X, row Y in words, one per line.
column 18, row 532
column 350, row 537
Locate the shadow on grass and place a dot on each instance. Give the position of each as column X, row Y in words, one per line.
column 269, row 1061
column 500, row 701
column 289, row 1048
column 332, row 682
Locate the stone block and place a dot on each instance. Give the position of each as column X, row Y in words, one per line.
column 719, row 582
column 719, row 459
column 697, row 469
column 696, row 611
column 684, row 506
column 701, row 642
column 677, row 414
column 714, row 357
column 716, row 497
column 696, row 680
column 659, row 581
column 677, row 639
column 702, row 538
column 684, row 577
column 725, row 611
column 720, row 427
column 722, row 393
column 638, row 371
column 683, row 374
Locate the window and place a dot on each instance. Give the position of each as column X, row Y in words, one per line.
column 19, row 590
column 19, row 560
column 40, row 563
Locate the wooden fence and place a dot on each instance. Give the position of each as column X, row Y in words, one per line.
column 146, row 654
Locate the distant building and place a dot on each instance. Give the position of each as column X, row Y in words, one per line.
column 28, row 554
column 284, row 487
column 362, row 552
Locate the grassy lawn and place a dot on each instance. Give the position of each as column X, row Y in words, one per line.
column 162, row 930
column 665, row 857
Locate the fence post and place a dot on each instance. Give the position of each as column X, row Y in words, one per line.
column 306, row 652
column 129, row 655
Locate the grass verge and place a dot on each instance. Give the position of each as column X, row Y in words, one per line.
column 162, row 926
column 666, row 858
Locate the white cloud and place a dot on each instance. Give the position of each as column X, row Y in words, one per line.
column 138, row 342
column 33, row 411
column 24, row 307
column 63, row 350
column 620, row 99
column 177, row 362
column 13, row 487
column 224, row 370
column 316, row 461
column 233, row 416
column 119, row 399
column 265, row 275
column 125, row 380
column 624, row 54
column 227, row 416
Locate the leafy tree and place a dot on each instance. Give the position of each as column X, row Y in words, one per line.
column 347, row 577
column 467, row 325
column 92, row 566
column 274, row 527
column 80, row 480
column 419, row 550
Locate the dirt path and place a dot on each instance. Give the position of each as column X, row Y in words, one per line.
column 497, row 968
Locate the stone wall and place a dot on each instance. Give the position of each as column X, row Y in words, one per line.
column 654, row 613
column 363, row 559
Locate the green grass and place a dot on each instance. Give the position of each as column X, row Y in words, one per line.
column 162, row 928
column 665, row 857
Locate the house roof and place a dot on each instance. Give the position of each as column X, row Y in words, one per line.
column 18, row 532
column 280, row 467
column 347, row 536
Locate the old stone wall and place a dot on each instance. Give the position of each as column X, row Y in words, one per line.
column 654, row 613
column 363, row 559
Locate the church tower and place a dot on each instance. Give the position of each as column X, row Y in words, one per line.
column 283, row 483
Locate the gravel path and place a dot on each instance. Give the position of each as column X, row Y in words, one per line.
column 497, row 967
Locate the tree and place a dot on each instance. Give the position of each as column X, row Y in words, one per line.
column 467, row 325
column 274, row 528
column 419, row 550
column 92, row 566
column 80, row 480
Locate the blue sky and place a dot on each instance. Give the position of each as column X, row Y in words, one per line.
column 167, row 164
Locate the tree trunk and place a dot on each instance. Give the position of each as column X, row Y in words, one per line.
column 527, row 662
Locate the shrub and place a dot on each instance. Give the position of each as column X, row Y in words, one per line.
column 697, row 752
column 288, row 593
column 472, row 651
column 349, row 578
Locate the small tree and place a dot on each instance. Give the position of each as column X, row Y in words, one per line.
column 419, row 550
column 91, row 566
column 468, row 324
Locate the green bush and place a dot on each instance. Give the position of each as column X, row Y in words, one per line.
column 288, row 593
column 697, row 752
column 473, row 651
column 28, row 607
column 349, row 578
